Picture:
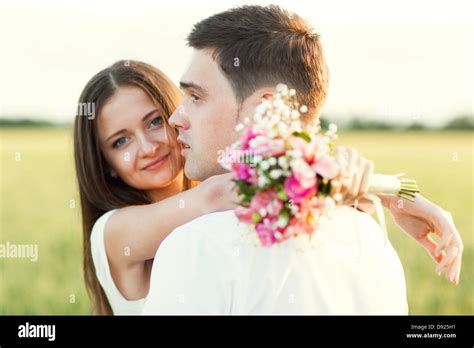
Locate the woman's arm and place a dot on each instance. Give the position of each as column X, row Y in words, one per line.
column 133, row 234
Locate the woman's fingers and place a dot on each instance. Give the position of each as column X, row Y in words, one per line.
column 445, row 240
column 446, row 230
column 365, row 205
column 368, row 172
column 453, row 252
column 451, row 243
column 356, row 172
column 430, row 246
column 348, row 172
column 356, row 179
column 455, row 248
column 455, row 269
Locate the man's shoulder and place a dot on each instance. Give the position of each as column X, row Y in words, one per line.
column 216, row 229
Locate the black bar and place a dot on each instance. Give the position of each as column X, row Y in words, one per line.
column 138, row 330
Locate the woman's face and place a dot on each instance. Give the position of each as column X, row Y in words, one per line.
column 133, row 140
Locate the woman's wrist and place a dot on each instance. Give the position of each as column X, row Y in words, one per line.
column 386, row 200
column 209, row 191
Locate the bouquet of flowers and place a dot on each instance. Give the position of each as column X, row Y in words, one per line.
column 285, row 173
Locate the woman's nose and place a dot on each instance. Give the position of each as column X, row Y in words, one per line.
column 148, row 147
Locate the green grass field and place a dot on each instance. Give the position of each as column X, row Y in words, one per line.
column 36, row 193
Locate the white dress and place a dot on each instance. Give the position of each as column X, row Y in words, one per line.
column 212, row 265
column 120, row 305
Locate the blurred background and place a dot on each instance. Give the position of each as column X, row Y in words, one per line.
column 401, row 91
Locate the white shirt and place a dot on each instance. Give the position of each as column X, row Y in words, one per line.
column 212, row 265
column 120, row 305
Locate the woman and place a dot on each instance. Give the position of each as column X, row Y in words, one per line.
column 133, row 181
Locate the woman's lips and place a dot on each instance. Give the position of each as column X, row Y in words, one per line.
column 157, row 164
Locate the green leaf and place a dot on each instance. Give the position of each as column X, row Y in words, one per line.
column 256, row 218
column 303, row 135
column 245, row 188
column 282, row 195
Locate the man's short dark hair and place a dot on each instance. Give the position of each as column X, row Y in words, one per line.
column 257, row 46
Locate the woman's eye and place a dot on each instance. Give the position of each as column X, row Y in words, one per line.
column 157, row 122
column 119, row 142
column 195, row 97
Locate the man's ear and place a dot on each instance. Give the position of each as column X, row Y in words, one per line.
column 266, row 95
column 249, row 105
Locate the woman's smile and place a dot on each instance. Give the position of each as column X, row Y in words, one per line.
column 158, row 163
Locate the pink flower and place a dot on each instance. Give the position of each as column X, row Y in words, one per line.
column 300, row 226
column 327, row 167
column 307, row 149
column 246, row 136
column 268, row 200
column 296, row 192
column 303, row 173
column 271, row 147
column 244, row 214
column 245, row 172
column 266, row 231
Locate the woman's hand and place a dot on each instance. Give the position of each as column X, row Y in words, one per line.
column 219, row 192
column 421, row 218
column 353, row 181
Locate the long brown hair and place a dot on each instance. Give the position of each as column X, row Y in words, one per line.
column 99, row 191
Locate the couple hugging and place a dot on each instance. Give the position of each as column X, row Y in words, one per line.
column 160, row 234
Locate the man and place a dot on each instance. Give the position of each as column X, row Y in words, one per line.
column 209, row 265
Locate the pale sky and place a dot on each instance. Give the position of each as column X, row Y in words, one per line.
column 404, row 60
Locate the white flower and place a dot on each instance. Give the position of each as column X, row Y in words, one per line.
column 332, row 128
column 282, row 221
column 262, row 108
column 295, row 153
column 272, row 134
column 294, row 209
column 276, row 173
column 272, row 161
column 278, row 103
column 295, row 114
column 303, row 109
column 264, row 165
column 281, row 87
column 282, row 162
column 275, row 118
column 262, row 212
column 296, row 126
column 263, row 180
column 239, row 127
column 292, row 92
column 282, row 128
